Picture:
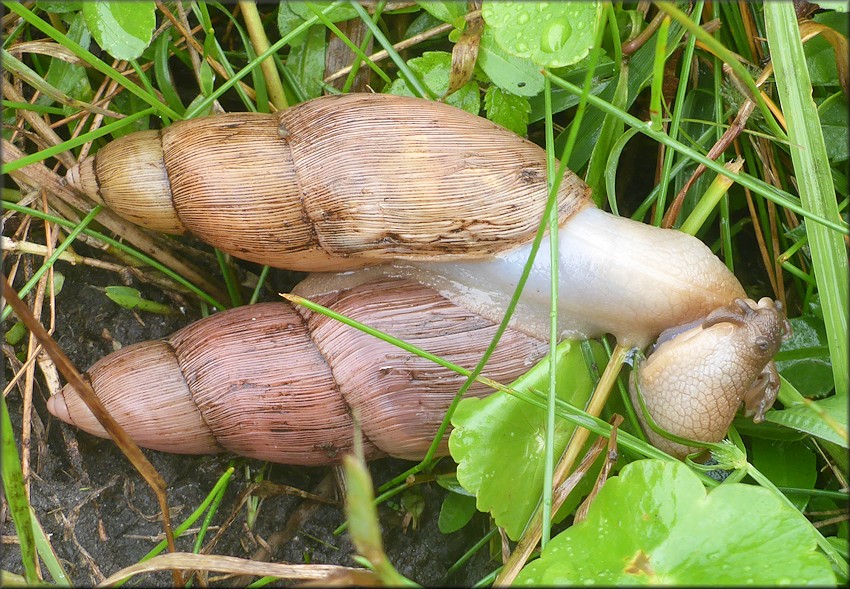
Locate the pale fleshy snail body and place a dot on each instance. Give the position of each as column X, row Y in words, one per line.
column 434, row 194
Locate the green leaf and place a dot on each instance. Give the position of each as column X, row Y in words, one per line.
column 814, row 181
column 508, row 110
column 833, row 119
column 67, row 77
column 446, row 11
column 786, row 464
column 498, row 441
column 820, row 54
column 551, row 34
column 340, row 13
column 207, row 78
column 16, row 333
column 59, row 6
column 130, row 298
column 287, row 20
column 434, row 68
column 306, row 62
column 455, row 512
column 806, row 419
column 122, row 29
column 514, row 74
column 363, row 524
column 839, row 5
column 804, row 359
column 656, row 524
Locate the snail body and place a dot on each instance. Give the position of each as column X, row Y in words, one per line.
column 402, row 189
column 451, row 199
column 279, row 383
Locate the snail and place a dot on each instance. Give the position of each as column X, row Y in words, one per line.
column 382, row 187
column 279, row 383
column 727, row 351
column 450, row 199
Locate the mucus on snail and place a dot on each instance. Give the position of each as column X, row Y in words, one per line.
column 419, row 192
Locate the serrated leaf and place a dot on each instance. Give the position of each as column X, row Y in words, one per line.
column 455, row 512
column 551, row 34
column 434, row 69
column 514, row 74
column 806, row 419
column 508, row 110
column 655, row 524
column 498, row 441
column 122, row 29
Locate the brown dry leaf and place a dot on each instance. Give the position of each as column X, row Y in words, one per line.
column 464, row 54
column 186, row 561
column 810, row 28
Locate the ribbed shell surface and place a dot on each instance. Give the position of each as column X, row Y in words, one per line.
column 262, row 386
column 338, row 182
column 269, row 382
column 403, row 398
column 386, row 176
column 234, row 185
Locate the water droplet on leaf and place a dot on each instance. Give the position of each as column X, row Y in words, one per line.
column 554, row 36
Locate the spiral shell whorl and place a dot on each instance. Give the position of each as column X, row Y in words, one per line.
column 144, row 389
column 335, row 183
column 279, row 384
column 128, row 175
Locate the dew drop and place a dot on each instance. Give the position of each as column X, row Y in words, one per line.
column 523, row 18
column 554, row 35
column 522, row 47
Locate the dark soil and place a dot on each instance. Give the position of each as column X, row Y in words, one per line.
column 101, row 516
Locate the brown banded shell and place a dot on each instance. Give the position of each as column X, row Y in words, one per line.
column 269, row 382
column 335, row 183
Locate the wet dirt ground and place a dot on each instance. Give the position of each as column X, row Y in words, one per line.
column 101, row 516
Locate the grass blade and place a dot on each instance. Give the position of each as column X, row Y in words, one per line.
column 811, row 168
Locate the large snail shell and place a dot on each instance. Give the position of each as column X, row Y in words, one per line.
column 267, row 382
column 334, row 183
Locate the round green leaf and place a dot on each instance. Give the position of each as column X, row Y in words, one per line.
column 656, row 524
column 122, row 29
column 498, row 442
column 455, row 512
column 551, row 34
column 516, row 75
